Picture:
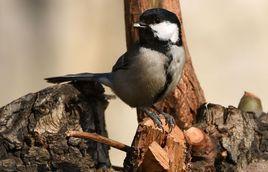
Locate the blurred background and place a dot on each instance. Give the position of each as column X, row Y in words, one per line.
column 228, row 42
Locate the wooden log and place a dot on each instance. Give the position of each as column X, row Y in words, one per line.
column 32, row 132
column 188, row 96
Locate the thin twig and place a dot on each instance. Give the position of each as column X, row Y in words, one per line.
column 99, row 138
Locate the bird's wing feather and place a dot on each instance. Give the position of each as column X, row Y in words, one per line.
column 124, row 61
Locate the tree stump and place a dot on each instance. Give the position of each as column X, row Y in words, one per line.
column 32, row 133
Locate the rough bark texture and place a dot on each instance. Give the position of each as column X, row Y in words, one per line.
column 241, row 139
column 187, row 98
column 156, row 150
column 32, row 130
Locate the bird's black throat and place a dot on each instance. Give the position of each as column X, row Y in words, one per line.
column 158, row 45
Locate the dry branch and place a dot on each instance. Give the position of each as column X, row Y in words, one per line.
column 100, row 139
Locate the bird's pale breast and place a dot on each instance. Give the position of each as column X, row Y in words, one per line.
column 142, row 80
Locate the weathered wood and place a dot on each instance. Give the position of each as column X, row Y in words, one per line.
column 32, row 133
column 188, row 96
column 241, row 138
column 147, row 156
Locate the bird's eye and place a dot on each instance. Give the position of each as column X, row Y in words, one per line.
column 157, row 20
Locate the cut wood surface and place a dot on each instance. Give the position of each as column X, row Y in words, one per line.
column 202, row 146
column 155, row 159
column 188, row 96
column 157, row 149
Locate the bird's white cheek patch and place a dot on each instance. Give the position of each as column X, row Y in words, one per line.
column 166, row 31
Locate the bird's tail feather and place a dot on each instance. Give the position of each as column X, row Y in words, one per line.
column 104, row 78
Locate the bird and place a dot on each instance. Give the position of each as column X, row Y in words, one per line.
column 150, row 70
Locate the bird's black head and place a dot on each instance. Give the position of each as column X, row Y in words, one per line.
column 159, row 25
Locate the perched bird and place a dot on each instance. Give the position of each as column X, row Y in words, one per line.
column 149, row 70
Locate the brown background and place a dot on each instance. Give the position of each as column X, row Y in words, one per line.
column 228, row 41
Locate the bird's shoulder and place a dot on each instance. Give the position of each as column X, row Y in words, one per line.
column 125, row 60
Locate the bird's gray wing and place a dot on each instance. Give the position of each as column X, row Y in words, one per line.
column 125, row 60
column 122, row 63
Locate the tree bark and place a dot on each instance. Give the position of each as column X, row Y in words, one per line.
column 32, row 133
column 240, row 137
column 184, row 101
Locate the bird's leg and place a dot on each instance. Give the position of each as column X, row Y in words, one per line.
column 153, row 116
column 169, row 119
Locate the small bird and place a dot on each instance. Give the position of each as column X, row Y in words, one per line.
column 149, row 70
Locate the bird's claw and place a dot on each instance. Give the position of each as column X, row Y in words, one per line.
column 156, row 119
column 170, row 121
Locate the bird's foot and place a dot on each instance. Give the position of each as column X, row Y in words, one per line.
column 170, row 121
column 154, row 117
